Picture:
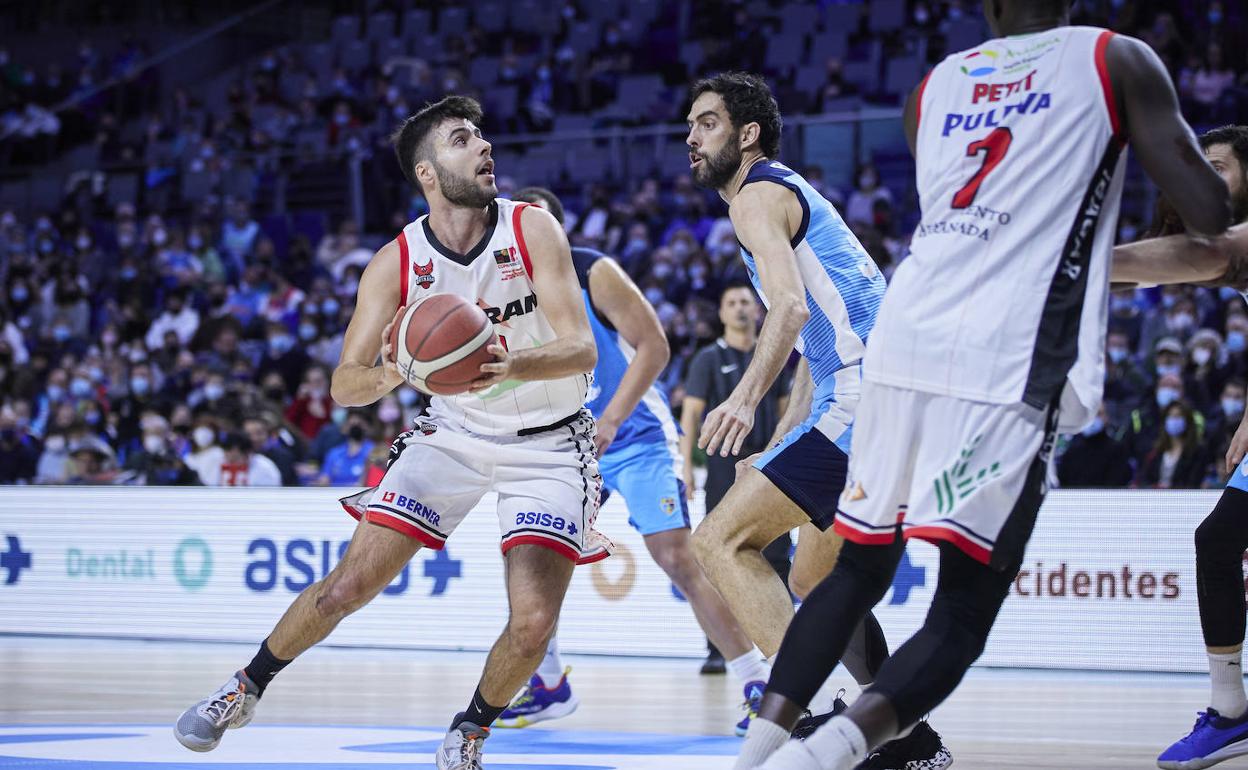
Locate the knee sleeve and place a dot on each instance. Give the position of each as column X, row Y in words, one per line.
column 824, row 625
column 1221, row 540
column 927, row 668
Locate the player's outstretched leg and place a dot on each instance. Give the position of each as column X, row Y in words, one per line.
column 1221, row 731
column 537, row 579
column 548, row 694
column 375, row 556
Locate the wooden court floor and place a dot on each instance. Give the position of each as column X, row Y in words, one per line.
column 62, row 690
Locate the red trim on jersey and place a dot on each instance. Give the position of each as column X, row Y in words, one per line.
column 855, row 535
column 595, row 557
column 918, row 99
column 524, row 250
column 405, row 265
column 1107, row 85
column 382, row 519
column 933, row 533
column 563, row 549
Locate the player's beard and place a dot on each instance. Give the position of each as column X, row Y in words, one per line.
column 463, row 191
column 717, row 170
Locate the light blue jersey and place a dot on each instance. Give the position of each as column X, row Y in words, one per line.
column 843, row 285
column 643, row 463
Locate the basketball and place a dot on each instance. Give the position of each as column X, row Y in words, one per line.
column 440, row 343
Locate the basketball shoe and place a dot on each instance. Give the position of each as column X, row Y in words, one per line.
column 753, row 699
column 922, row 749
column 1213, row 739
column 461, row 749
column 201, row 726
column 538, row 703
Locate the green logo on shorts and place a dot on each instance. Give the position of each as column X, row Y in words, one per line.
column 959, row 482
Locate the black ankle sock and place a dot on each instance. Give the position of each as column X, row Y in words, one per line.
column 264, row 667
column 478, row 712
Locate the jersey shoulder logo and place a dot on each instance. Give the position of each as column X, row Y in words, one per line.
column 508, row 262
column 423, row 274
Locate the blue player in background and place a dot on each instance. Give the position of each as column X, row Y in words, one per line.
column 638, row 457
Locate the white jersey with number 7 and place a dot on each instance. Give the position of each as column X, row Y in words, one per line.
column 1020, row 158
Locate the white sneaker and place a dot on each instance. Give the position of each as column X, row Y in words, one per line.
column 461, row 749
column 234, row 705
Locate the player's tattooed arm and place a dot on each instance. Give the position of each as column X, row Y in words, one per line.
column 559, row 296
column 360, row 379
column 763, row 218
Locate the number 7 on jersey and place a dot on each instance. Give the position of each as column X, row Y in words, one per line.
column 995, row 145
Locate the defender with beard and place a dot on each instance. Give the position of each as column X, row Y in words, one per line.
column 822, row 292
column 521, row 431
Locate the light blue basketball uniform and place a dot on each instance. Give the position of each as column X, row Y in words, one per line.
column 843, row 293
column 643, row 463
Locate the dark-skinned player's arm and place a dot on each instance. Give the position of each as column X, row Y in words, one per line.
column 554, row 282
column 761, row 220
column 620, row 301
column 1169, row 152
column 359, row 379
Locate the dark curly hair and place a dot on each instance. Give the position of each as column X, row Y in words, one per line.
column 1165, row 218
column 409, row 139
column 748, row 100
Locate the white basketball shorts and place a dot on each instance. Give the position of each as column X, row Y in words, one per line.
column 946, row 469
column 547, row 484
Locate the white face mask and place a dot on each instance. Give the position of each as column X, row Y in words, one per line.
column 1201, row 356
column 203, row 436
column 153, row 444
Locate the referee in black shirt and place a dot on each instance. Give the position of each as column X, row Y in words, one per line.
column 713, row 373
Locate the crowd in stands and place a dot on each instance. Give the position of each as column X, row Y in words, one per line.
column 162, row 340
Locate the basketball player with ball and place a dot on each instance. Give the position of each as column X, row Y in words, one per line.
column 491, row 323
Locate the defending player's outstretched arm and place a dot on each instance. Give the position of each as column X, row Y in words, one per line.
column 619, row 300
column 1183, row 259
column 554, row 283
column 761, row 217
column 359, row 378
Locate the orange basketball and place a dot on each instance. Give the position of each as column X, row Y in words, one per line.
column 440, row 342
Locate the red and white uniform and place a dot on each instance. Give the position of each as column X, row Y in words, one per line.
column 991, row 334
column 531, row 442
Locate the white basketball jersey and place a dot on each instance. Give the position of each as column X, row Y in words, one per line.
column 1020, row 162
column 495, row 274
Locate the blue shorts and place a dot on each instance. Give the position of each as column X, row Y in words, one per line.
column 810, row 463
column 1238, row 479
column 645, row 474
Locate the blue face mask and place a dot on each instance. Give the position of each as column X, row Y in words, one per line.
column 1168, row 369
column 80, row 388
column 61, row 333
column 214, row 391
column 92, row 418
column 1235, row 341
column 280, row 344
column 128, row 273
column 1166, row 396
column 1117, row 355
column 407, row 396
column 55, row 392
column 330, row 307
column 307, row 331
column 1176, row 425
column 1096, row 426
column 140, row 386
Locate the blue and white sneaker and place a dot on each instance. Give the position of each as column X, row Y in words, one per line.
column 539, row 703
column 753, row 699
column 1213, row 739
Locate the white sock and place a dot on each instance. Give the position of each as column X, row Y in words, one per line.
column 1226, row 677
column 760, row 742
column 838, row 744
column 750, row 667
column 551, row 667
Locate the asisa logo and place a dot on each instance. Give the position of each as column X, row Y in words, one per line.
column 979, row 64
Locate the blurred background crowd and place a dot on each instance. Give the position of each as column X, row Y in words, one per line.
column 187, row 198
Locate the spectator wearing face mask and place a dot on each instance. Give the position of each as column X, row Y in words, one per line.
column 1094, row 458
column 140, row 396
column 345, row 464
column 156, row 464
column 312, row 406
column 329, row 436
column 1222, row 422
column 213, row 398
column 178, row 317
column 1126, row 384
column 860, row 208
column 283, row 356
column 1178, row 459
column 241, row 466
column 1207, row 370
column 53, row 465
column 1145, row 422
column 260, row 430
column 1177, row 320
column 205, row 452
